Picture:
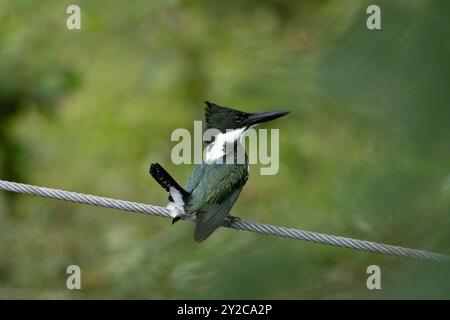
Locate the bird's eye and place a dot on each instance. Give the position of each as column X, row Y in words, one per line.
column 240, row 118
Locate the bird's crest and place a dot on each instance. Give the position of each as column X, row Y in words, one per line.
column 223, row 118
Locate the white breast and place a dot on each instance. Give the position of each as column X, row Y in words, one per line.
column 216, row 149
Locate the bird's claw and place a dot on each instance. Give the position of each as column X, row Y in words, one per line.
column 176, row 219
column 181, row 216
column 229, row 220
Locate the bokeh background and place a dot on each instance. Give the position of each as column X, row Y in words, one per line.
column 365, row 152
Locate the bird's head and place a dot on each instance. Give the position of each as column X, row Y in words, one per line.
column 225, row 119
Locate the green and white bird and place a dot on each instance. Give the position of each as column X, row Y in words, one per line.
column 216, row 183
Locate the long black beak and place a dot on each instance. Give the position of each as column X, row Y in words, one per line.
column 260, row 117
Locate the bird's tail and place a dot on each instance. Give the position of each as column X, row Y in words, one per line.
column 177, row 193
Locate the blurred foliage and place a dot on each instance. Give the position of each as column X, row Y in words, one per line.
column 364, row 153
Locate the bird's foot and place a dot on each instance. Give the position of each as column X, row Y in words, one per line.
column 181, row 216
column 229, row 220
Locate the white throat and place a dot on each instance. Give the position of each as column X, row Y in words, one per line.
column 216, row 149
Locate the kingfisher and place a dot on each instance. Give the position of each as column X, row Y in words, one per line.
column 216, row 183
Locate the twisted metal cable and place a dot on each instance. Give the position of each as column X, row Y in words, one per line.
column 236, row 224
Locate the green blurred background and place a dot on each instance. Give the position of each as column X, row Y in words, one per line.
column 365, row 152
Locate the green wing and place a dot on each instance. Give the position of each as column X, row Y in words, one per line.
column 214, row 194
column 210, row 217
column 196, row 177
